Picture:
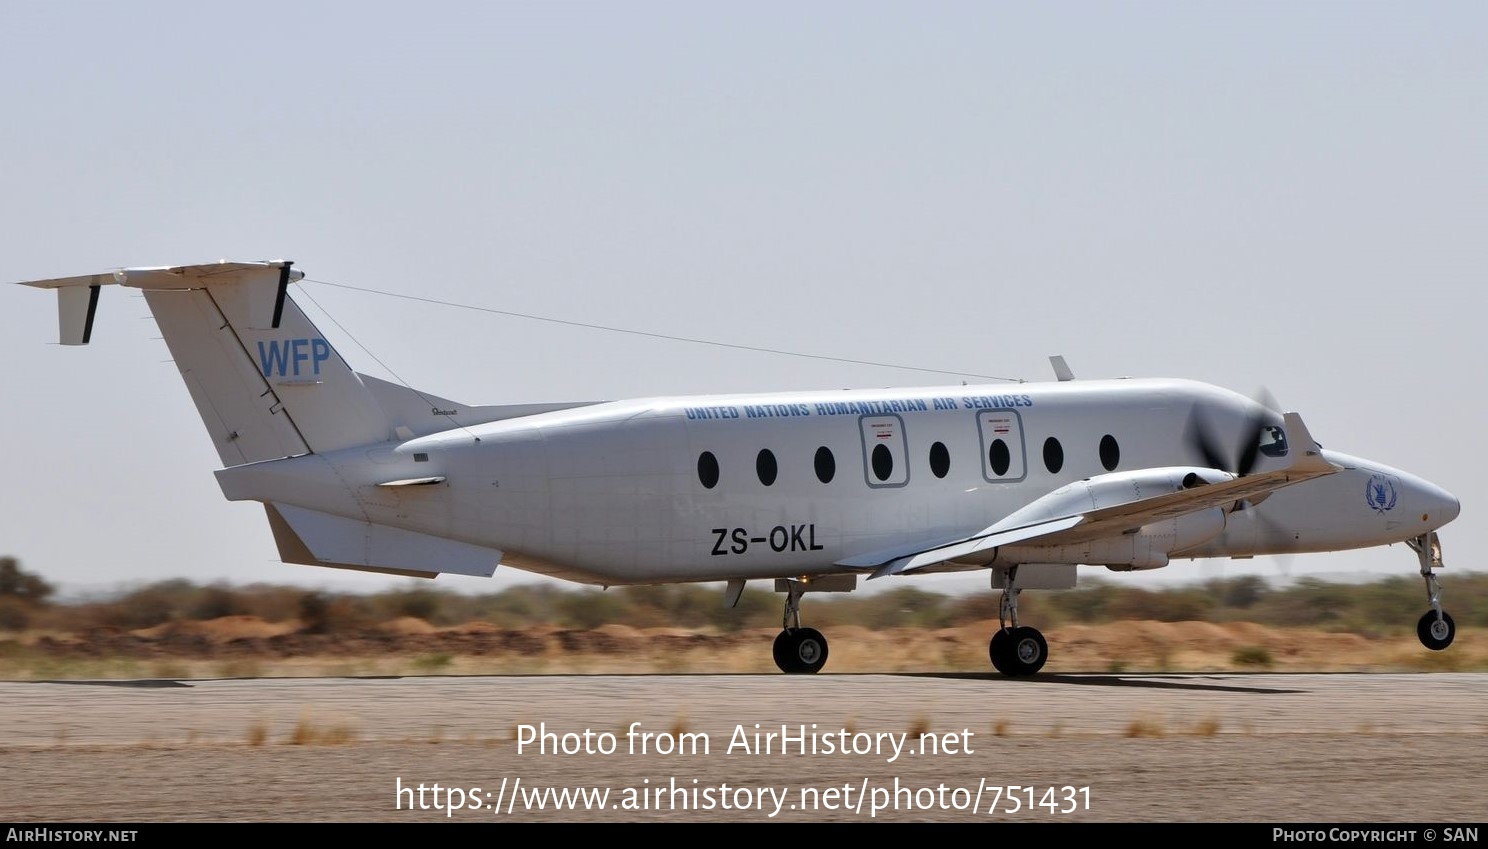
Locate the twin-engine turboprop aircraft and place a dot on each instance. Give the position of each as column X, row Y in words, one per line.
column 812, row 490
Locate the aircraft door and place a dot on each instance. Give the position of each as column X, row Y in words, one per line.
column 885, row 462
column 1003, row 455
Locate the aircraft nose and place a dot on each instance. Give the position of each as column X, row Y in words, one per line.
column 1439, row 505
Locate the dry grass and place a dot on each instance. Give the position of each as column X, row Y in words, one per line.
column 308, row 732
column 1206, row 727
column 920, row 725
column 258, row 733
column 1145, row 726
column 1129, row 647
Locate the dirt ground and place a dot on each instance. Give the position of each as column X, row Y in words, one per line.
column 1093, row 747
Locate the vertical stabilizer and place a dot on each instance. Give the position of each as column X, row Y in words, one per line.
column 266, row 382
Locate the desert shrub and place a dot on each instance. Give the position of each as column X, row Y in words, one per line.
column 423, row 602
column 21, row 586
column 216, row 601
column 15, row 615
column 334, row 614
column 1240, row 593
column 591, row 609
column 1252, row 656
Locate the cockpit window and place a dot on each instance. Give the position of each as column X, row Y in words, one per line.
column 1273, row 441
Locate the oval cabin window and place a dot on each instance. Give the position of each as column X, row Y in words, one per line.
column 940, row 460
column 826, row 465
column 708, row 469
column 883, row 462
column 999, row 457
column 764, row 466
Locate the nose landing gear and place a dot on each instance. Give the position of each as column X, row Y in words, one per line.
column 1435, row 629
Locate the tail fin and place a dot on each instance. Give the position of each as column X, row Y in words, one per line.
column 266, row 383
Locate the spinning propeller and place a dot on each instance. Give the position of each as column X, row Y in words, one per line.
column 1201, row 435
column 1242, row 460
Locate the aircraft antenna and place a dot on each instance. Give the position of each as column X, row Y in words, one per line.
column 342, row 327
column 649, row 334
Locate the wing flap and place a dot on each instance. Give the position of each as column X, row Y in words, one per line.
column 972, row 547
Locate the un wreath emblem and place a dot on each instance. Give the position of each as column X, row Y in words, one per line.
column 1380, row 493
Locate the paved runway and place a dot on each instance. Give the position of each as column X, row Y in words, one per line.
column 1158, row 748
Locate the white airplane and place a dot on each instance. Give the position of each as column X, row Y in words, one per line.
column 812, row 490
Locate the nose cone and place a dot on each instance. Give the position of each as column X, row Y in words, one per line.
column 1445, row 505
column 1433, row 504
column 1401, row 501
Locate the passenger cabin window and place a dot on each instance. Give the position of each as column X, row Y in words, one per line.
column 883, row 462
column 999, row 456
column 940, row 460
column 764, row 466
column 1053, row 455
column 708, row 470
column 1110, row 452
column 826, row 465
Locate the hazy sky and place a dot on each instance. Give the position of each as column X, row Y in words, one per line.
column 1288, row 195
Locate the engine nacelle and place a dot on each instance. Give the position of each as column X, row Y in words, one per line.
column 1112, row 490
column 1146, row 547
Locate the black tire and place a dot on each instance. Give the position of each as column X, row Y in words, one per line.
column 1027, row 651
column 785, row 652
column 998, row 649
column 800, row 651
column 1436, row 635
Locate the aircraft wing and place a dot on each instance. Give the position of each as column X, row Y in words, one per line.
column 1110, row 505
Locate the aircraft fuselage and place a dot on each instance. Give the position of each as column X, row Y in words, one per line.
column 760, row 486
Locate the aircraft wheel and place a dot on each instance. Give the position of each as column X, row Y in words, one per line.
column 1436, row 634
column 800, row 651
column 784, row 657
column 998, row 650
column 1026, row 652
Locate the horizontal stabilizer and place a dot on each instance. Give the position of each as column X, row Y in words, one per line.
column 77, row 297
column 336, row 540
column 164, row 276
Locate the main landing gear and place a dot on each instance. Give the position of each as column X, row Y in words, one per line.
column 1436, row 629
column 798, row 650
column 1015, row 650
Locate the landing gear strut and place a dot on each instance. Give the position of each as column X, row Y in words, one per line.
column 1015, row 650
column 1436, row 629
column 798, row 651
